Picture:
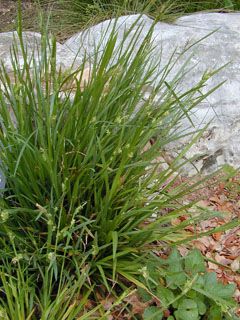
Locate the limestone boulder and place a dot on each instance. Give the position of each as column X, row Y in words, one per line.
column 211, row 40
column 32, row 42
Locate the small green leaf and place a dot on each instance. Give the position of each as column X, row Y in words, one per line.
column 144, row 295
column 165, row 295
column 201, row 307
column 216, row 289
column 176, row 277
column 187, row 310
column 187, row 304
column 192, row 294
column 152, row 313
column 194, row 262
column 215, row 313
column 200, row 282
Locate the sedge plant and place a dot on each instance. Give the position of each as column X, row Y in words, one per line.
column 81, row 186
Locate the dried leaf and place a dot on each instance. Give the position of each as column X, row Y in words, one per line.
column 138, row 306
column 217, row 235
column 221, row 259
column 235, row 265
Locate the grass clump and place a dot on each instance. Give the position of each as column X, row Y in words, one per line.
column 79, row 14
column 81, row 186
column 69, row 16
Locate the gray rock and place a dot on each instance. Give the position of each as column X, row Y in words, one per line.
column 220, row 143
column 32, row 40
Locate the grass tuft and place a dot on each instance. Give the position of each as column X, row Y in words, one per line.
column 81, row 185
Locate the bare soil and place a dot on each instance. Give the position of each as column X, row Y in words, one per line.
column 8, row 14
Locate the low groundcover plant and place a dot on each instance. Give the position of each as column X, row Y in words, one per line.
column 81, row 186
column 186, row 290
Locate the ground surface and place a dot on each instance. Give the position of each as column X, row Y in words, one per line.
column 30, row 13
column 8, row 14
column 222, row 249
